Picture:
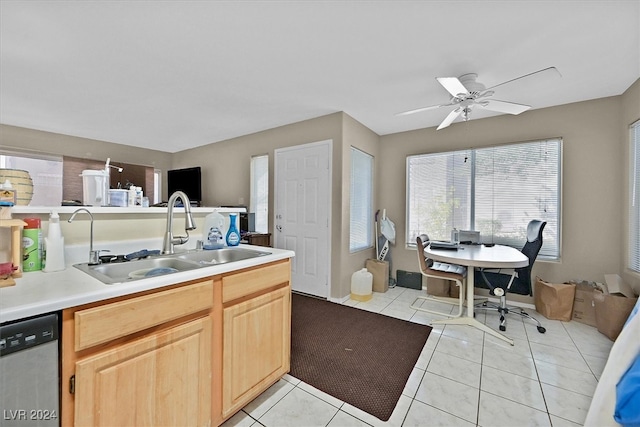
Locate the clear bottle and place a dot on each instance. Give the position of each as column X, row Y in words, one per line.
column 212, row 236
column 54, row 245
column 233, row 236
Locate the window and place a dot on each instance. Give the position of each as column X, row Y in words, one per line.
column 57, row 178
column 157, row 185
column 45, row 172
column 495, row 190
column 259, row 203
column 634, row 198
column 361, row 201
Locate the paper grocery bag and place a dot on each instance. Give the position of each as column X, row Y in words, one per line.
column 380, row 271
column 584, row 310
column 612, row 312
column 554, row 300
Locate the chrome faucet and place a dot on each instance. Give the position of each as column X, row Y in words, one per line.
column 94, row 257
column 169, row 238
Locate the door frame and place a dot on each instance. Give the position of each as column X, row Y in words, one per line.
column 329, row 144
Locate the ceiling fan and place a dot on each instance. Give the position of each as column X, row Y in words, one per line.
column 467, row 93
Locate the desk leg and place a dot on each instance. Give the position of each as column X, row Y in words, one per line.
column 469, row 319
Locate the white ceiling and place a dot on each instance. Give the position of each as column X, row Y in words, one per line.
column 173, row 75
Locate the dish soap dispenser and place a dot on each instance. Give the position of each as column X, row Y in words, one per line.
column 54, row 246
column 233, row 236
column 212, row 236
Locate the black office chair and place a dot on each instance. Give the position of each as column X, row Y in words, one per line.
column 518, row 281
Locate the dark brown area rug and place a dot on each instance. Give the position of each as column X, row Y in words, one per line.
column 357, row 356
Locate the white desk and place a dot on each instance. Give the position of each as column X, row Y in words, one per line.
column 473, row 256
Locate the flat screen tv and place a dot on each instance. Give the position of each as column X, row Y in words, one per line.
column 188, row 180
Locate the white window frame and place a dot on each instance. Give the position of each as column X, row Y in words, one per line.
column 45, row 171
column 462, row 173
column 259, row 192
column 634, row 197
column 361, row 201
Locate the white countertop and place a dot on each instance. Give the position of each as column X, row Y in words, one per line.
column 115, row 210
column 39, row 292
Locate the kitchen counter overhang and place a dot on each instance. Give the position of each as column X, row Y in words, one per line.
column 38, row 292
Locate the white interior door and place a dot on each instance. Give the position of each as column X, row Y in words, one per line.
column 302, row 206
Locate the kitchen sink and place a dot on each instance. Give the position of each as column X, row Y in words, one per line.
column 165, row 264
column 135, row 270
column 221, row 256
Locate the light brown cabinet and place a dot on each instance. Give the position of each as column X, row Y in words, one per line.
column 255, row 335
column 160, row 380
column 256, row 347
column 191, row 354
column 140, row 361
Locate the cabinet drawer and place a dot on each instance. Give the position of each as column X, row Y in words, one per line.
column 116, row 320
column 246, row 283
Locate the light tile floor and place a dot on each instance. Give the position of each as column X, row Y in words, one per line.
column 463, row 377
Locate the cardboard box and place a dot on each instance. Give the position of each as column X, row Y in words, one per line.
column 615, row 285
column 554, row 300
column 584, row 310
column 438, row 287
column 380, row 272
column 613, row 308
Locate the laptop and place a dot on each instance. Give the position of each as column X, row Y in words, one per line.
column 438, row 244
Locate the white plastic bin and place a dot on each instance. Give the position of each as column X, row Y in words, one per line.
column 362, row 285
column 95, row 188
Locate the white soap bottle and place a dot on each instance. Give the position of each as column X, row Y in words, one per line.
column 54, row 245
column 212, row 234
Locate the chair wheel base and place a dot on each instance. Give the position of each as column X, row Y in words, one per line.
column 541, row 329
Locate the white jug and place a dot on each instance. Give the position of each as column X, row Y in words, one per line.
column 362, row 285
column 95, row 188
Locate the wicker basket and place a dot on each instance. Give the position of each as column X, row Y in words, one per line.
column 21, row 182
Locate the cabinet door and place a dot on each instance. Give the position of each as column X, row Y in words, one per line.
column 256, row 346
column 162, row 379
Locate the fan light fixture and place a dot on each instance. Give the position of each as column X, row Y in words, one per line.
column 466, row 93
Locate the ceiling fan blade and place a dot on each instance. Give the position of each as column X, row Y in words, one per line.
column 504, row 106
column 421, row 109
column 453, row 86
column 544, row 70
column 450, row 118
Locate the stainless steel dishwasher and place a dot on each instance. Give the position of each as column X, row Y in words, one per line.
column 29, row 372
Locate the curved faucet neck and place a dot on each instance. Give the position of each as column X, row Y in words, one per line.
column 169, row 239
column 93, row 255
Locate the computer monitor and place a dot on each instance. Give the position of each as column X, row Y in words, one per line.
column 187, row 180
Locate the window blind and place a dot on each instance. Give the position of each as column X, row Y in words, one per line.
column 495, row 190
column 361, row 201
column 259, row 192
column 515, row 184
column 438, row 194
column 634, row 198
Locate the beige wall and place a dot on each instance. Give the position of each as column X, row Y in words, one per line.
column 22, row 139
column 17, row 138
column 595, row 175
column 630, row 113
column 358, row 136
column 226, row 171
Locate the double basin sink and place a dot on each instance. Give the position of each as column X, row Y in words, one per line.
column 166, row 264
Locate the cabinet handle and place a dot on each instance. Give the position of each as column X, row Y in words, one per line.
column 72, row 384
